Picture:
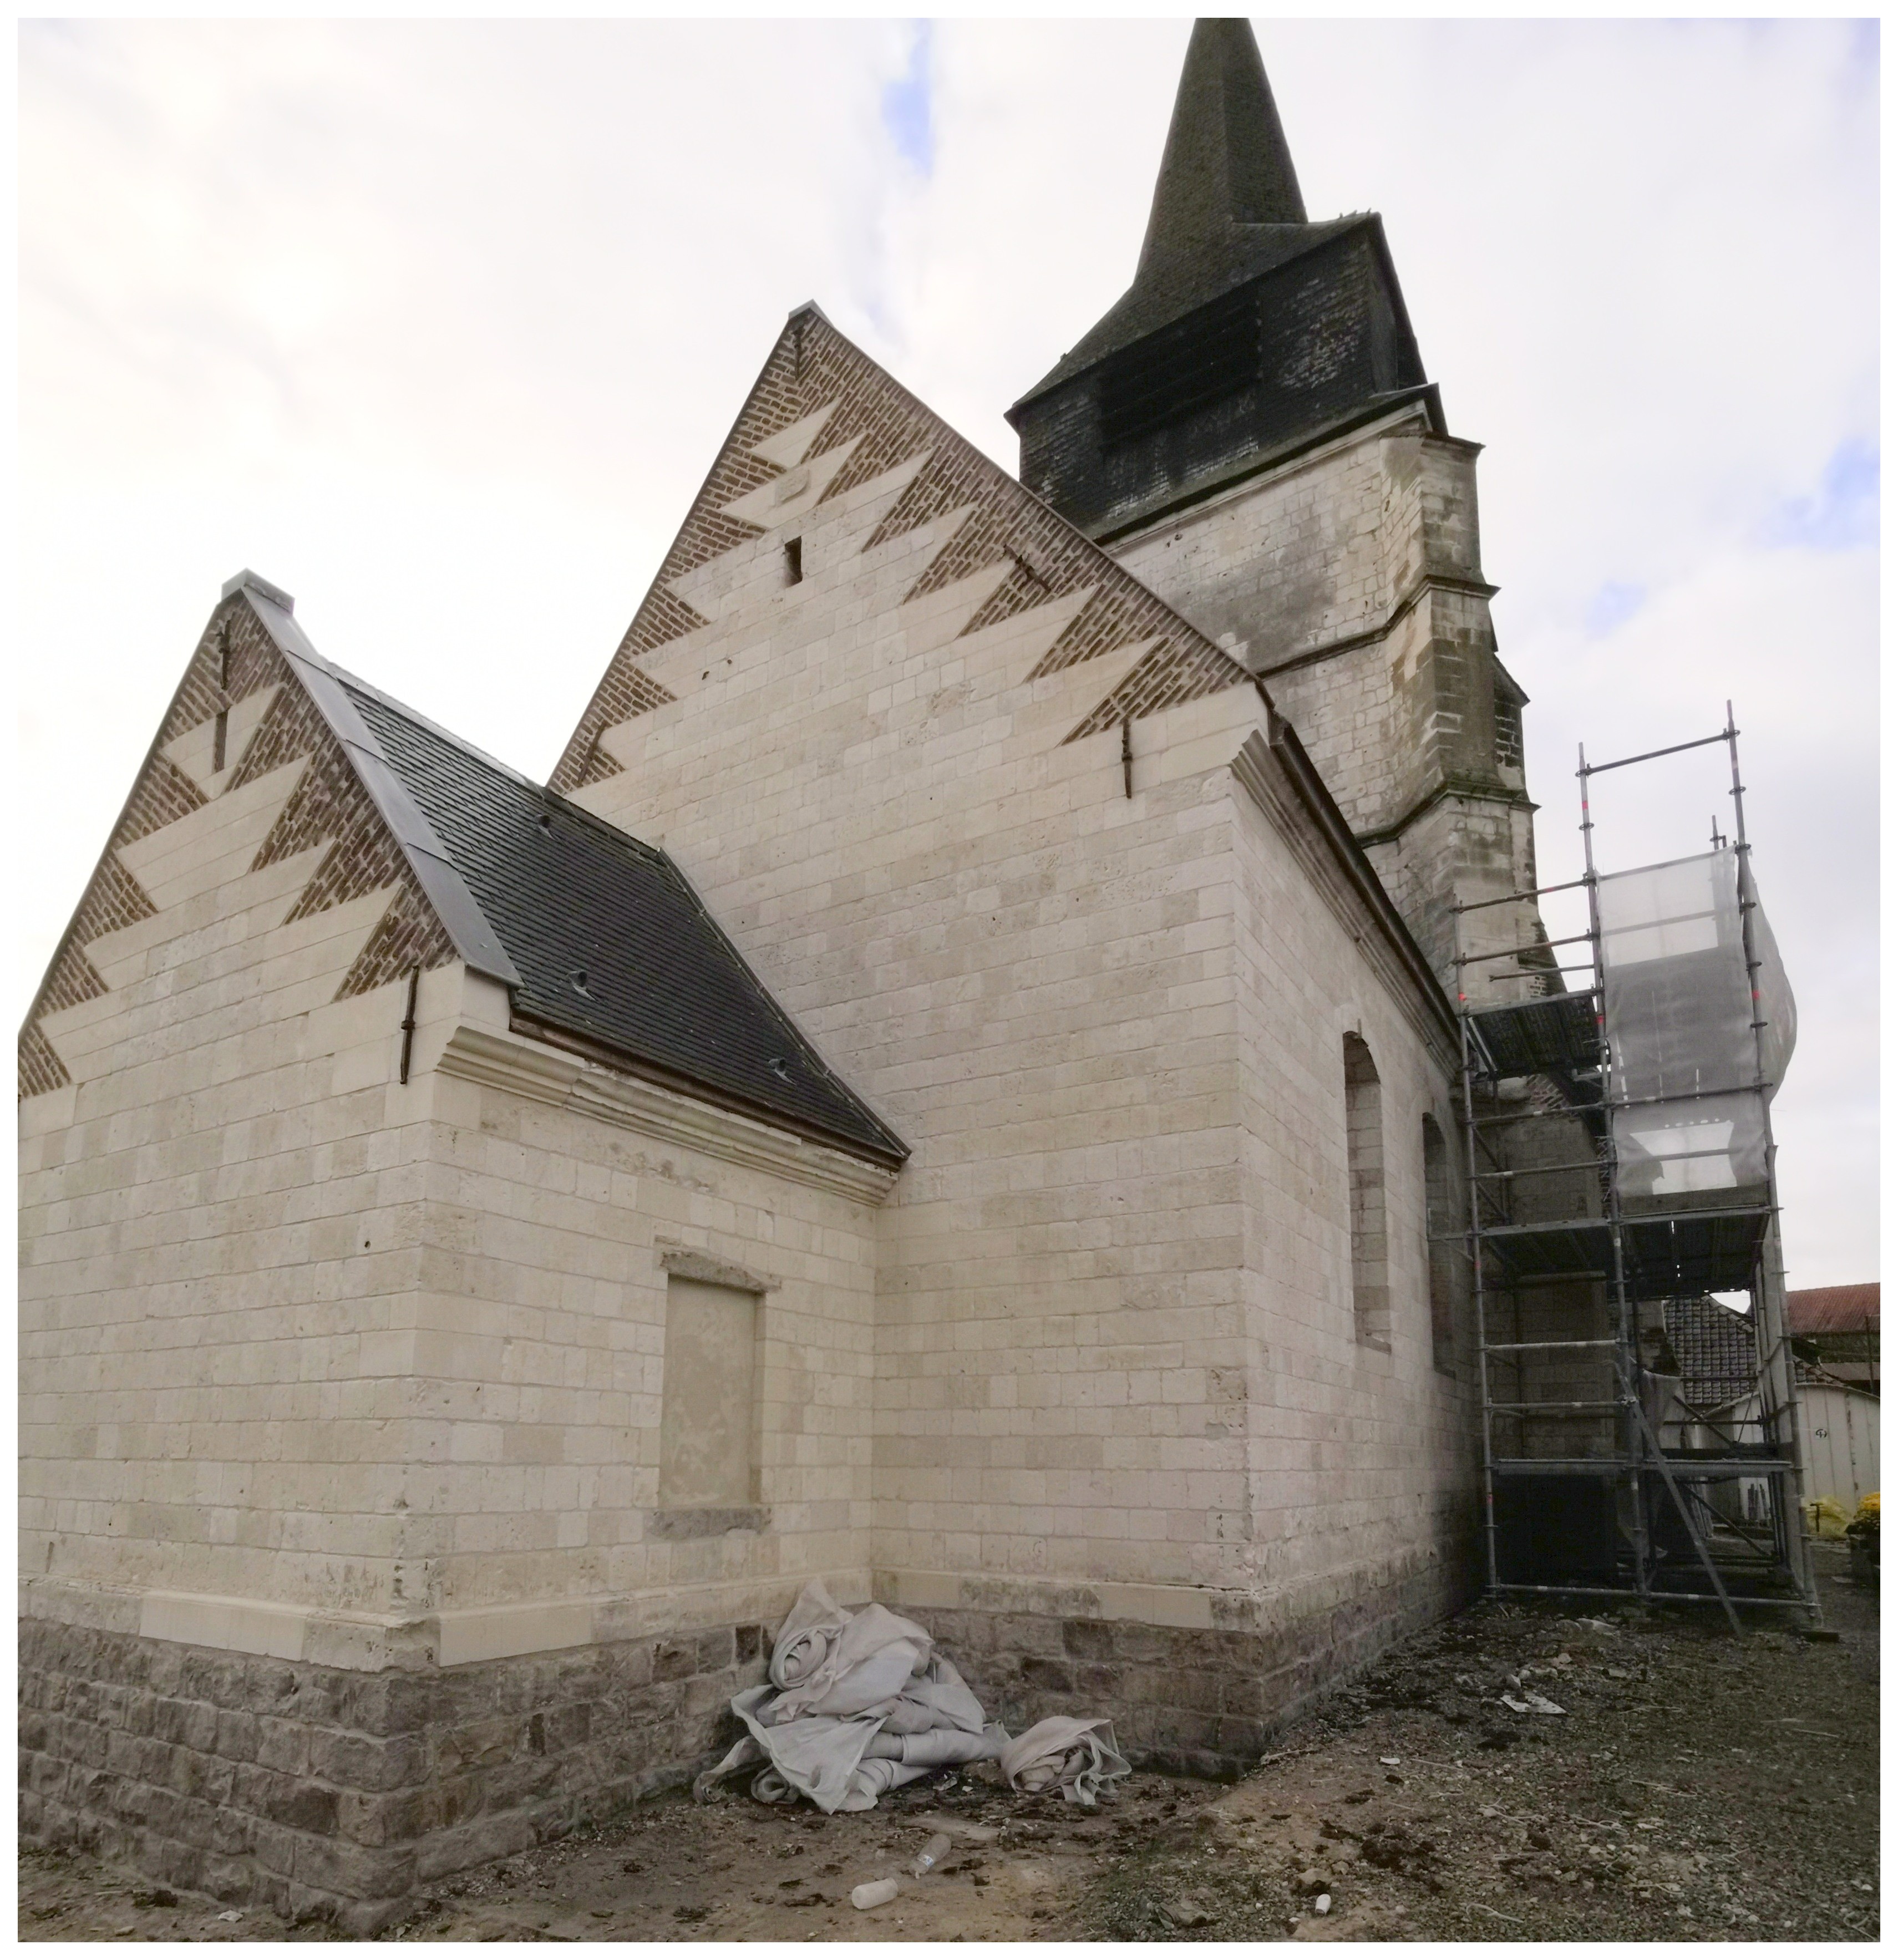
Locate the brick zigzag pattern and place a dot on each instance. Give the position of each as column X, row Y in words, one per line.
column 813, row 367
column 328, row 805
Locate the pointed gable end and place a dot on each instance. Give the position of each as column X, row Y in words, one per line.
column 822, row 420
column 264, row 798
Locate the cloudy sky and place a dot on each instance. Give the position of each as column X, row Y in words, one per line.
column 440, row 325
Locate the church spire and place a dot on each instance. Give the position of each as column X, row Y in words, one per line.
column 1226, row 162
column 1247, row 329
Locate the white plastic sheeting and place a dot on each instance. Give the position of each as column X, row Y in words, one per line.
column 857, row 1703
column 1679, row 1012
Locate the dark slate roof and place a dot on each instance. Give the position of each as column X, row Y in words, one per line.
column 1189, row 281
column 610, row 942
column 1226, row 207
column 1226, row 159
column 1714, row 1346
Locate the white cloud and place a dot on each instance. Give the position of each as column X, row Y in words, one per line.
column 439, row 324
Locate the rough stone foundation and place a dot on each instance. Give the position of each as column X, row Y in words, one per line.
column 320, row 1791
column 1192, row 1701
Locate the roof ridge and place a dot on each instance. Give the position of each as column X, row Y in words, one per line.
column 544, row 791
column 357, row 685
column 475, row 941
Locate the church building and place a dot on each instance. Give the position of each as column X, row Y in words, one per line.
column 948, row 1088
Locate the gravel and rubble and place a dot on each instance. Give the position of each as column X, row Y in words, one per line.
column 1693, row 1787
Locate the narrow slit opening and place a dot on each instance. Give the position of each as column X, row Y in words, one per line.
column 793, row 561
column 220, row 729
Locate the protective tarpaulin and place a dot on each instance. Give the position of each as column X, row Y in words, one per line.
column 857, row 1703
column 1680, row 1012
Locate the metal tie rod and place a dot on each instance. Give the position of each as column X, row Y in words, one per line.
column 1553, row 966
column 1552, row 1408
column 1518, row 1346
column 1520, row 898
column 1513, row 952
column 1653, row 755
column 1651, row 1597
column 1549, row 1170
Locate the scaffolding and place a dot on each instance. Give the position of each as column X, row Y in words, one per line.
column 1619, row 1161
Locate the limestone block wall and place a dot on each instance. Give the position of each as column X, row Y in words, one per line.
column 447, row 1434
column 1363, row 1451
column 1475, row 848
column 1028, row 973
column 536, row 1347
column 1295, row 557
column 220, row 1201
column 312, row 1355
column 919, row 829
column 1351, row 579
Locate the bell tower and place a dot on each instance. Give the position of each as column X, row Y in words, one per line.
column 1250, row 430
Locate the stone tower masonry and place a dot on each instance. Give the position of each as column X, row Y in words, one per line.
column 1251, row 431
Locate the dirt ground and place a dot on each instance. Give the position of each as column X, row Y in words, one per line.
column 1694, row 1787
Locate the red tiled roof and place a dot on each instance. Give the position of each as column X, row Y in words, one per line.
column 1832, row 1310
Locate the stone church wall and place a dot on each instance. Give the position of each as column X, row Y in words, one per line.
column 219, row 1191
column 1117, row 1419
column 538, row 1637
column 1350, row 579
column 540, row 1352
column 1086, row 1392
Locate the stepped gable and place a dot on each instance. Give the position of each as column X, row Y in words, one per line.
column 597, row 936
column 821, row 405
column 237, row 665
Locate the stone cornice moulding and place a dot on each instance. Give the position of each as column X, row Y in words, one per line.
column 1424, row 586
column 492, row 1059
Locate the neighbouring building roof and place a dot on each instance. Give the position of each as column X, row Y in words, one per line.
column 1714, row 1347
column 1845, row 1310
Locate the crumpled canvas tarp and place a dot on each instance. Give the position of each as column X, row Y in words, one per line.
column 857, row 1703
column 1078, row 1754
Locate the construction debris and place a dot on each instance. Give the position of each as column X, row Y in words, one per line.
column 1738, row 1780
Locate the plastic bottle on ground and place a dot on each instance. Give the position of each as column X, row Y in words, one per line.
column 931, row 1855
column 879, row 1891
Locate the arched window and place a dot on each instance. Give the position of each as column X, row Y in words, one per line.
column 1440, row 1228
column 1364, row 1154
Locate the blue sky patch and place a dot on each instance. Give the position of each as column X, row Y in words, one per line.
column 906, row 105
column 1613, row 605
column 1843, row 515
